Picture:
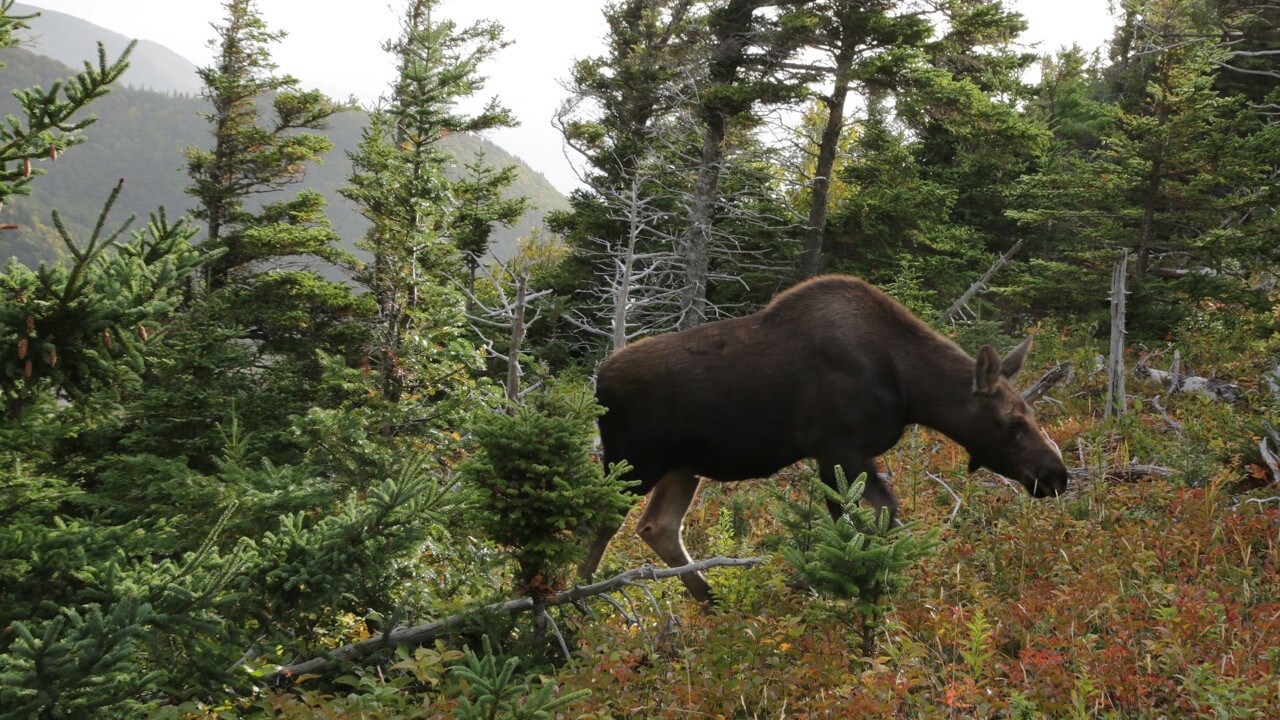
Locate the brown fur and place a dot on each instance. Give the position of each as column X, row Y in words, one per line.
column 832, row 369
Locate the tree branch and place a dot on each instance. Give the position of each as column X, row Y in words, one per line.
column 959, row 305
column 420, row 634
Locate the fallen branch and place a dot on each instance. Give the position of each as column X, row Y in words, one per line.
column 1270, row 459
column 1177, row 426
column 954, row 510
column 1258, row 501
column 1212, row 388
column 1047, row 381
column 421, row 634
column 959, row 306
column 1131, row 473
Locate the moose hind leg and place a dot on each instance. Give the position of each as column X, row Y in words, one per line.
column 661, row 526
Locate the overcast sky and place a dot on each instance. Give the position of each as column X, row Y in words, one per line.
column 337, row 48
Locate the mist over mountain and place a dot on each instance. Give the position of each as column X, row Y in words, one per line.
column 143, row 127
column 71, row 41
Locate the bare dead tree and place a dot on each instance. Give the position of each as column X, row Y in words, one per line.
column 737, row 211
column 508, row 313
column 639, row 294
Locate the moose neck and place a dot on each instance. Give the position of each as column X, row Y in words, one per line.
column 937, row 381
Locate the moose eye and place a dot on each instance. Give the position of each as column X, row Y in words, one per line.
column 1016, row 430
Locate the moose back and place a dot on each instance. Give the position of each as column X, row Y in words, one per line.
column 833, row 369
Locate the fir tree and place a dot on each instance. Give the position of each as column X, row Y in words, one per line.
column 81, row 327
column 540, row 491
column 50, row 125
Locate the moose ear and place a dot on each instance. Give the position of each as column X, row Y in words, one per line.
column 986, row 373
column 1012, row 362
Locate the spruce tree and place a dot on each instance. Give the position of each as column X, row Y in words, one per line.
column 421, row 218
column 255, row 151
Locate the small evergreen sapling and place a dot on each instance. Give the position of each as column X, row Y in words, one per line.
column 540, row 491
column 855, row 560
column 493, row 691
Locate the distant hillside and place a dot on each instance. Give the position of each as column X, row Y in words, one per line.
column 71, row 41
column 140, row 136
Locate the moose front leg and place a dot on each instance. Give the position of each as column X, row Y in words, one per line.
column 661, row 525
column 595, row 551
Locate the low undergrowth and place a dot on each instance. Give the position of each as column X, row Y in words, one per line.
column 1125, row 600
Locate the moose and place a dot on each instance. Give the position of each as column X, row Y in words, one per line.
column 832, row 369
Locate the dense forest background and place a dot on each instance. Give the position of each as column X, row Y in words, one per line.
column 257, row 408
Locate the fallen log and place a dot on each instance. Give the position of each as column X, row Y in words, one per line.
column 1212, row 388
column 1047, row 381
column 421, row 634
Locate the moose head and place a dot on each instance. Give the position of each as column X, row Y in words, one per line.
column 1004, row 435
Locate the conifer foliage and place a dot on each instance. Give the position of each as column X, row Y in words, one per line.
column 855, row 558
column 541, row 493
column 51, row 124
column 202, row 483
column 256, row 150
column 80, row 327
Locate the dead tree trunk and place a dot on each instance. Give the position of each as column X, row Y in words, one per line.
column 1052, row 377
column 696, row 245
column 518, row 329
column 1115, row 365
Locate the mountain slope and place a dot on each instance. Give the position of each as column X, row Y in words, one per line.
column 71, row 41
column 140, row 136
